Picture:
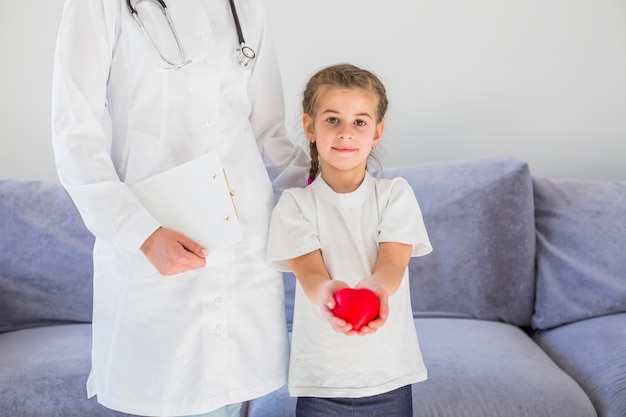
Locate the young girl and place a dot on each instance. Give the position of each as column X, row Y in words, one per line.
column 348, row 229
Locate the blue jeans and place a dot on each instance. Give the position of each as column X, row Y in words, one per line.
column 396, row 403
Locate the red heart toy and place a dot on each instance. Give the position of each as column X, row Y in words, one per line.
column 357, row 306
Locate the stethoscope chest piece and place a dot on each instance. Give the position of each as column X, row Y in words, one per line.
column 244, row 56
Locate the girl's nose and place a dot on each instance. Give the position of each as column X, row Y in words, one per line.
column 345, row 135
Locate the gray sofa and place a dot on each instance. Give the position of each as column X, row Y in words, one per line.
column 520, row 309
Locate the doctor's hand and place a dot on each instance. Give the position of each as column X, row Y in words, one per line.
column 172, row 252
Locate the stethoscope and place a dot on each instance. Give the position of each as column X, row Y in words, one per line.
column 244, row 55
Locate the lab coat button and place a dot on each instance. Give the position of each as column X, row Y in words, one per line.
column 205, row 38
column 208, row 62
column 208, row 122
column 219, row 301
column 220, row 329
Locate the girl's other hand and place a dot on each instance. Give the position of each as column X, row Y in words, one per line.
column 383, row 309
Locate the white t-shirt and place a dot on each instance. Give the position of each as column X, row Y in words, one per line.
column 348, row 229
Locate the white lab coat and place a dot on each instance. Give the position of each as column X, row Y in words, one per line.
column 166, row 346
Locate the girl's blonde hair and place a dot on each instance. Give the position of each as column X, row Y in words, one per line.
column 340, row 76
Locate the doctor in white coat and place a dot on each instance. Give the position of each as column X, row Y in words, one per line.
column 176, row 330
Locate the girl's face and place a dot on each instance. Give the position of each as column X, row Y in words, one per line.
column 344, row 129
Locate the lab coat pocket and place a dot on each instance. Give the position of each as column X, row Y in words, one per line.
column 141, row 267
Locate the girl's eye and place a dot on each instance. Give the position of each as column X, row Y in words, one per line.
column 332, row 120
column 360, row 123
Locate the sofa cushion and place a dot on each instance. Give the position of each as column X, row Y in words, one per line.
column 493, row 369
column 489, row 368
column 43, row 372
column 274, row 404
column 479, row 216
column 581, row 250
column 593, row 352
column 45, row 257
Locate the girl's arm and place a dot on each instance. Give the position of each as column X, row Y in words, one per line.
column 319, row 287
column 393, row 259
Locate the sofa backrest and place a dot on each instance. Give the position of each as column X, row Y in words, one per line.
column 45, row 257
column 581, row 250
column 479, row 216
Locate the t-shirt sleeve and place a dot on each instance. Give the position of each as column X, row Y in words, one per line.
column 402, row 220
column 291, row 234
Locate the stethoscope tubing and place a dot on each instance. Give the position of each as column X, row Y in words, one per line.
column 244, row 55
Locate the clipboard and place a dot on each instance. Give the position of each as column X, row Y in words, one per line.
column 194, row 199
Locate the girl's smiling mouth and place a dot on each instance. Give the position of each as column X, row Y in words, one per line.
column 343, row 149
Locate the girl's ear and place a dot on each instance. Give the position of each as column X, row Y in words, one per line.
column 308, row 126
column 380, row 128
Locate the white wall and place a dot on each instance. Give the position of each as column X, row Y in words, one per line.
column 27, row 38
column 540, row 80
